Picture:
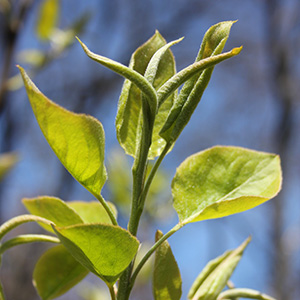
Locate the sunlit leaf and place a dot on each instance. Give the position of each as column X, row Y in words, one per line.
column 92, row 211
column 56, row 272
column 105, row 250
column 193, row 89
column 47, row 18
column 76, row 139
column 7, row 161
column 236, row 293
column 166, row 275
column 222, row 181
column 52, row 209
column 128, row 121
column 214, row 277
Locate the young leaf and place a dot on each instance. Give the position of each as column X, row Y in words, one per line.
column 222, row 181
column 128, row 120
column 52, row 209
column 104, row 249
column 212, row 280
column 166, row 275
column 56, row 272
column 92, row 212
column 76, row 139
column 244, row 293
column 190, row 95
column 47, row 19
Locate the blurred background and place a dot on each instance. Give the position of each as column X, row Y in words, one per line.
column 252, row 101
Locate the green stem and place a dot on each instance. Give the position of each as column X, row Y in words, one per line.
column 14, row 222
column 107, row 209
column 112, row 292
column 152, row 174
column 151, row 250
column 27, row 238
column 1, row 292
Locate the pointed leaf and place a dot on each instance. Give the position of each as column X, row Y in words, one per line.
column 166, row 275
column 129, row 74
column 52, row 209
column 128, row 120
column 47, row 18
column 105, row 250
column 192, row 91
column 216, row 274
column 222, row 181
column 76, row 139
column 92, row 212
column 56, row 272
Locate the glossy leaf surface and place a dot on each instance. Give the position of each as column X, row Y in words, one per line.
column 222, row 181
column 56, row 272
column 166, row 275
column 76, row 139
column 214, row 277
column 105, row 250
column 128, row 120
column 52, row 209
column 92, row 211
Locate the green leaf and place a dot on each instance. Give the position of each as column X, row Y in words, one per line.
column 166, row 275
column 129, row 119
column 7, row 161
column 192, row 91
column 244, row 293
column 92, row 212
column 214, row 277
column 222, row 181
column 47, row 18
column 56, row 272
column 104, row 249
column 76, row 139
column 127, row 73
column 52, row 209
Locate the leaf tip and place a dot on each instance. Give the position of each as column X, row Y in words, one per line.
column 237, row 50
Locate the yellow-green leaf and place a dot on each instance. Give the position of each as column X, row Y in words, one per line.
column 104, row 249
column 56, row 272
column 222, row 181
column 166, row 275
column 214, row 277
column 47, row 18
column 128, row 120
column 52, row 209
column 76, row 139
column 92, row 211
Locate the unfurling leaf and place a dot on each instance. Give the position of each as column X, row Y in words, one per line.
column 190, row 95
column 103, row 249
column 76, row 139
column 56, row 272
column 52, row 209
column 213, row 278
column 166, row 275
column 129, row 119
column 222, row 181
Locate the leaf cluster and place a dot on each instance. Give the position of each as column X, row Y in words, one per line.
column 152, row 112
